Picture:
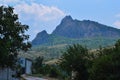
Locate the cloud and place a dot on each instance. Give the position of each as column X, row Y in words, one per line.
column 38, row 16
column 117, row 24
column 39, row 11
column 118, row 15
column 9, row 1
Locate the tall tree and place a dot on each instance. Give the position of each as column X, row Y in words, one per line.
column 107, row 66
column 38, row 64
column 73, row 61
column 12, row 37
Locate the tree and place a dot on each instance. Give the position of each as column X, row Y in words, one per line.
column 107, row 66
column 38, row 64
column 12, row 37
column 74, row 60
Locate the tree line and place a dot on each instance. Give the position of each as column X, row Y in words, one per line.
column 79, row 63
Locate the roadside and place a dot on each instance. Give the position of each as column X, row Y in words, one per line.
column 32, row 78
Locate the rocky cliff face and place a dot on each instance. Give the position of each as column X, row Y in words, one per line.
column 41, row 38
column 81, row 29
column 76, row 29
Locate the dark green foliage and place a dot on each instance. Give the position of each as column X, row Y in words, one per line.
column 37, row 65
column 101, row 64
column 12, row 37
column 75, row 59
column 107, row 65
column 53, row 71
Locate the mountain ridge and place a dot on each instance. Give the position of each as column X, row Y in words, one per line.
column 75, row 29
column 80, row 29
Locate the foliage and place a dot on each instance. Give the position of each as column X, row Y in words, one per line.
column 53, row 71
column 106, row 66
column 79, row 63
column 102, row 64
column 74, row 60
column 12, row 36
column 37, row 65
column 53, row 50
column 94, row 41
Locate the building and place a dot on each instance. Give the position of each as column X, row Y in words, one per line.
column 26, row 65
column 7, row 74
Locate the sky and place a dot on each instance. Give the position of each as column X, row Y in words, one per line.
column 47, row 14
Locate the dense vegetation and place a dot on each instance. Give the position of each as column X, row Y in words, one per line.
column 74, row 61
column 78, row 63
column 53, row 51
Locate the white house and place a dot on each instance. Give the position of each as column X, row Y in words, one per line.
column 6, row 73
column 26, row 65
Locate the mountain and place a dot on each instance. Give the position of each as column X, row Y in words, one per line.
column 84, row 29
column 41, row 38
column 71, row 31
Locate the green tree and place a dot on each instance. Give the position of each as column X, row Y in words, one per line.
column 38, row 64
column 107, row 66
column 74, row 60
column 12, row 37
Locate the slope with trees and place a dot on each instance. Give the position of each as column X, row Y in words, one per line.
column 101, row 64
column 74, row 60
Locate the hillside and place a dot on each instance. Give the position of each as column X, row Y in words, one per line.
column 54, row 51
column 87, row 33
column 71, row 31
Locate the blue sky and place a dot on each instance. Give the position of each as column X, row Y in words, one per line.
column 47, row 14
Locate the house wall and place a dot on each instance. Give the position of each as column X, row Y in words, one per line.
column 7, row 73
column 28, row 66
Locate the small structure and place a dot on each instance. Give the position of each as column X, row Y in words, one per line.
column 26, row 65
column 7, row 74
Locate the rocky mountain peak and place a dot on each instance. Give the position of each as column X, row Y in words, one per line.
column 42, row 37
column 43, row 32
column 76, row 29
column 67, row 19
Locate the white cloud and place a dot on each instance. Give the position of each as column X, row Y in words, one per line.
column 39, row 11
column 38, row 16
column 8, row 1
column 118, row 15
column 117, row 24
column 15, row 1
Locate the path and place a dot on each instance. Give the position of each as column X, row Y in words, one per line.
column 32, row 78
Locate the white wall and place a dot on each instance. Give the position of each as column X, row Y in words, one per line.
column 28, row 66
column 4, row 72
